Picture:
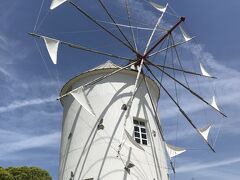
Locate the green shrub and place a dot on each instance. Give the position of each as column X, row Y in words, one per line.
column 24, row 173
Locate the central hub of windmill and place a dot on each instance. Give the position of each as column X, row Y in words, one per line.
column 138, row 60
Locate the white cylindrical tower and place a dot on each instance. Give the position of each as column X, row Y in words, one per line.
column 111, row 145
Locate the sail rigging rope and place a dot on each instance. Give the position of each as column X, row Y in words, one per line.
column 133, row 27
column 130, row 24
column 38, row 16
column 164, row 63
column 135, row 20
column 179, row 107
column 100, row 25
column 57, row 76
column 213, row 88
column 113, row 20
column 177, row 99
column 39, row 50
column 208, row 121
column 42, row 21
column 219, row 129
column 179, row 61
column 44, row 63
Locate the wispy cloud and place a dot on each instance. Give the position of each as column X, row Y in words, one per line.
column 29, row 142
column 8, row 136
column 24, row 103
column 200, row 166
column 5, row 73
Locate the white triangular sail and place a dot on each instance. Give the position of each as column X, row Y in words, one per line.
column 135, row 68
column 159, row 7
column 80, row 96
column 56, row 3
column 52, row 47
column 214, row 103
column 205, row 132
column 174, row 151
column 204, row 72
column 185, row 35
column 131, row 142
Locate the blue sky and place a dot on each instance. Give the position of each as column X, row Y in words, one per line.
column 31, row 117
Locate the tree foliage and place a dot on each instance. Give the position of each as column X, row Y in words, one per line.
column 24, row 173
column 5, row 175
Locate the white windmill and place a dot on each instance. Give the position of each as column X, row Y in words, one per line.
column 111, row 128
column 104, row 137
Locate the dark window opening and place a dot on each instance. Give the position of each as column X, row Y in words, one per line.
column 140, row 133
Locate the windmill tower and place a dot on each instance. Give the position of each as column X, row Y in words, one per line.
column 103, row 137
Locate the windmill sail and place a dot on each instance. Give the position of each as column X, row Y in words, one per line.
column 159, row 7
column 204, row 72
column 214, row 103
column 56, row 3
column 174, row 151
column 185, row 35
column 205, row 132
column 52, row 47
column 81, row 98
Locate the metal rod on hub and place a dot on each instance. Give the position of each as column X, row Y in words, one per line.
column 182, row 19
column 99, row 79
column 187, row 88
column 101, row 26
column 182, row 70
column 85, row 48
column 113, row 20
column 179, row 107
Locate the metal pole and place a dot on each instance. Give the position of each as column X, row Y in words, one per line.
column 182, row 19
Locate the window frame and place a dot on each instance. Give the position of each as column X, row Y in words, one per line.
column 141, row 125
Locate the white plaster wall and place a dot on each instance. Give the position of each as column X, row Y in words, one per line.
column 92, row 153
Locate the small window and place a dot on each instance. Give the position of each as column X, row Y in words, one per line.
column 144, row 136
column 143, row 130
column 140, row 133
column 144, row 142
column 136, row 129
column 142, row 123
column 135, row 122
column 138, row 140
column 137, row 134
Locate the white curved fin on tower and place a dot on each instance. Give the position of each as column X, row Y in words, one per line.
column 205, row 132
column 174, row 151
column 185, row 35
column 131, row 142
column 56, row 3
column 52, row 47
column 159, row 7
column 204, row 72
column 214, row 103
column 81, row 98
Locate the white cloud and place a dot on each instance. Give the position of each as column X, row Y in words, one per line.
column 5, row 73
column 7, row 136
column 24, row 103
column 29, row 142
column 200, row 166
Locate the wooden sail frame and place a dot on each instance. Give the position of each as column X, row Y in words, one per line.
column 140, row 60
